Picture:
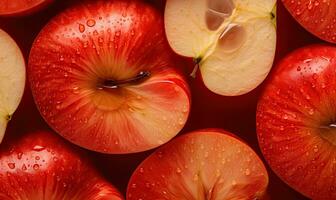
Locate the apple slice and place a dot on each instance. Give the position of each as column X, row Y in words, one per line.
column 12, row 79
column 296, row 120
column 206, row 164
column 103, row 82
column 41, row 166
column 19, row 7
column 317, row 17
column 232, row 41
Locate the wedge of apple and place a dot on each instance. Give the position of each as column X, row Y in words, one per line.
column 103, row 82
column 12, row 79
column 232, row 41
column 203, row 165
column 19, row 7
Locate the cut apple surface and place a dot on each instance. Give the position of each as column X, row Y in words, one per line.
column 296, row 121
column 40, row 166
column 12, row 79
column 104, row 77
column 318, row 16
column 19, row 7
column 232, row 41
column 203, row 165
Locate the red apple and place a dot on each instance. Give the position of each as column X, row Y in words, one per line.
column 296, row 121
column 104, row 77
column 318, row 16
column 205, row 164
column 19, row 7
column 41, row 166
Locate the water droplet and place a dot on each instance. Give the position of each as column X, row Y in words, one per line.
column 91, row 22
column 11, row 165
column 81, row 28
column 36, row 166
column 24, row 168
column 38, row 148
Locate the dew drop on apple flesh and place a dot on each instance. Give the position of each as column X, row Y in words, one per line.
column 217, row 12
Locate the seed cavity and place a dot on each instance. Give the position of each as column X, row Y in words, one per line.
column 217, row 12
column 232, row 38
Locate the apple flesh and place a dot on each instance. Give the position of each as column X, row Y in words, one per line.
column 41, row 166
column 317, row 17
column 232, row 41
column 19, row 7
column 12, row 79
column 296, row 121
column 104, row 77
column 205, row 164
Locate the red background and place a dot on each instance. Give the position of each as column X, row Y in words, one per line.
column 235, row 114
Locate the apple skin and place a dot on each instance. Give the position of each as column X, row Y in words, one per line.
column 41, row 166
column 94, row 42
column 295, row 121
column 203, row 164
column 22, row 8
column 236, row 114
column 317, row 16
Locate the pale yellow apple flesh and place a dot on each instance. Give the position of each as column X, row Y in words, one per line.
column 233, row 42
column 12, row 79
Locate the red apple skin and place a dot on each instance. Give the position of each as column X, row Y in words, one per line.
column 295, row 117
column 129, row 32
column 225, row 112
column 41, row 166
column 169, row 173
column 22, row 8
column 317, row 16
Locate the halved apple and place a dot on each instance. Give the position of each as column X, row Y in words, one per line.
column 12, row 79
column 203, row 165
column 232, row 41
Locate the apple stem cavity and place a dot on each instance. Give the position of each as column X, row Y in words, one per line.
column 114, row 84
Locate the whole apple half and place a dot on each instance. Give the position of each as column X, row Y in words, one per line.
column 296, row 120
column 21, row 7
column 104, row 77
column 41, row 166
column 12, row 79
column 318, row 16
column 232, row 42
column 202, row 165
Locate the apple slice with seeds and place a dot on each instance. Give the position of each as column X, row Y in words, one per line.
column 12, row 79
column 203, row 165
column 232, row 41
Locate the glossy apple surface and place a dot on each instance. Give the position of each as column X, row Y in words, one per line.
column 104, row 77
column 296, row 121
column 41, row 166
column 205, row 164
column 19, row 7
column 317, row 16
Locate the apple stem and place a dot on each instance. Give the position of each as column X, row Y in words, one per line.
column 197, row 65
column 113, row 84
